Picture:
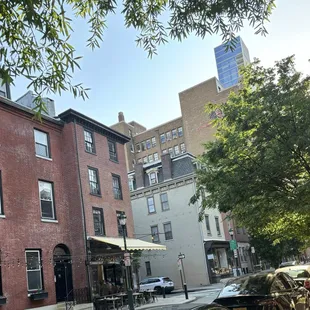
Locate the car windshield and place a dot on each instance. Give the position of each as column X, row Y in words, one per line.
column 251, row 285
column 298, row 273
column 167, row 279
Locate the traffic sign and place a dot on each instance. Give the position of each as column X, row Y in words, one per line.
column 179, row 264
column 181, row 256
column 127, row 259
column 233, row 244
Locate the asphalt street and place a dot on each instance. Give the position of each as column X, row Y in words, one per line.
column 202, row 298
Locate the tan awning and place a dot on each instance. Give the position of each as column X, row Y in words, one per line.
column 132, row 244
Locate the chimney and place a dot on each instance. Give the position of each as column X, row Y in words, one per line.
column 121, row 117
column 167, row 166
column 139, row 173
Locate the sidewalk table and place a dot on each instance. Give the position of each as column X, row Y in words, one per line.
column 136, row 297
column 113, row 299
column 122, row 296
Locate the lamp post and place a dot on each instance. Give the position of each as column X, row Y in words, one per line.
column 122, row 220
column 231, row 232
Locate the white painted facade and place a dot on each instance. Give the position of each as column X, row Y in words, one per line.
column 188, row 233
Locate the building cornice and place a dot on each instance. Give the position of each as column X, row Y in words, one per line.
column 70, row 115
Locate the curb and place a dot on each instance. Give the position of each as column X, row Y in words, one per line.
column 170, row 305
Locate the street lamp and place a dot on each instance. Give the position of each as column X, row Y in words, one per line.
column 122, row 220
column 231, row 232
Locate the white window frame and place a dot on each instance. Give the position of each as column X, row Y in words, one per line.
column 176, row 150
column 52, row 200
column 174, row 133
column 153, row 141
column 155, row 156
column 40, row 269
column 47, row 143
column 180, row 130
column 217, row 221
column 164, row 201
column 169, row 231
column 150, row 158
column 168, row 136
column 162, row 141
column 208, row 227
column 183, row 148
column 148, row 206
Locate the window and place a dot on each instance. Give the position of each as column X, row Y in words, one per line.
column 155, row 233
column 98, row 222
column 47, row 200
column 119, row 226
column 145, row 160
column 132, row 184
column 139, row 161
column 42, row 143
column 117, row 188
column 168, row 231
column 176, row 150
column 150, row 158
column 174, row 134
column 165, row 151
column 208, row 225
column 168, row 135
column 112, row 150
column 155, row 156
column 34, row 270
column 93, row 181
column 180, row 131
column 153, row 178
column 151, row 205
column 163, row 138
column 183, row 149
column 132, row 148
column 217, row 225
column 148, row 144
column 170, row 150
column 143, row 146
column 148, row 268
column 164, row 202
column 153, row 142
column 1, row 198
column 138, row 147
column 89, row 141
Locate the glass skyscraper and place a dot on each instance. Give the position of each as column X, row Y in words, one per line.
column 229, row 62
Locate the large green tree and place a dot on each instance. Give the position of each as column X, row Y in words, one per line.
column 259, row 165
column 35, row 34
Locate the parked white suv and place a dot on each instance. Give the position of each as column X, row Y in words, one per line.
column 157, row 284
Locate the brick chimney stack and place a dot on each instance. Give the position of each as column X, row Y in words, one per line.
column 167, row 166
column 139, row 173
column 121, row 117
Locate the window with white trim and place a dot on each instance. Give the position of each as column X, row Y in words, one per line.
column 183, row 149
column 176, row 150
column 151, row 204
column 170, row 150
column 89, row 141
column 145, row 159
column 34, row 270
column 165, row 151
column 143, row 146
column 46, row 193
column 168, row 135
column 42, row 143
column 155, row 233
column 93, row 176
column 151, row 158
column 180, row 132
column 217, row 225
column 163, row 138
column 168, row 231
column 174, row 134
column 153, row 178
column 148, row 144
column 98, row 222
column 138, row 147
column 208, row 225
column 153, row 142
column 164, row 201
column 155, row 156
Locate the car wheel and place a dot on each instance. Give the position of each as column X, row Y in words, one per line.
column 158, row 290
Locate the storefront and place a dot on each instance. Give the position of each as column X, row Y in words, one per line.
column 106, row 264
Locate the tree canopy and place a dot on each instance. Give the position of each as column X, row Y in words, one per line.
column 35, row 34
column 259, row 165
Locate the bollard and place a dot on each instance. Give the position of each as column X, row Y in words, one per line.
column 185, row 291
column 164, row 292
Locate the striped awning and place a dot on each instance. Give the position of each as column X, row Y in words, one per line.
column 132, row 244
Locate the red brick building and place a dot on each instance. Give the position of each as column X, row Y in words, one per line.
column 62, row 182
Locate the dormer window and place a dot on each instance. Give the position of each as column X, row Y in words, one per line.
column 153, row 176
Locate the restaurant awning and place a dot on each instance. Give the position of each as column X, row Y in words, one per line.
column 132, row 244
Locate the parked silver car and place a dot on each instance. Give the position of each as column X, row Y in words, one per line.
column 157, row 284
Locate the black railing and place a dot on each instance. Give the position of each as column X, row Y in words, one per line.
column 81, row 295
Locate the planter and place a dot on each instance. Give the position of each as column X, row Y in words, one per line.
column 38, row 295
column 2, row 300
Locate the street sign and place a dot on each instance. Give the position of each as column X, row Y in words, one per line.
column 235, row 253
column 252, row 249
column 181, row 256
column 233, row 244
column 179, row 264
column 127, row 259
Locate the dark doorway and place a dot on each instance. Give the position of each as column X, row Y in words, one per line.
column 63, row 273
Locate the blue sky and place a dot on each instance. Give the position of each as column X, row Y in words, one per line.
column 122, row 78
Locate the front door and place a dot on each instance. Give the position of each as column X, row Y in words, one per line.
column 63, row 281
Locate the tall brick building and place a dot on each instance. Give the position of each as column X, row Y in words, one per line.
column 63, row 181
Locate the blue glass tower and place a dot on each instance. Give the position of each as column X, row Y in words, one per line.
column 229, row 62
